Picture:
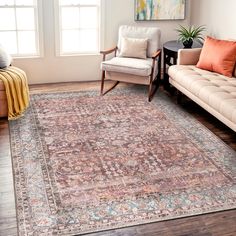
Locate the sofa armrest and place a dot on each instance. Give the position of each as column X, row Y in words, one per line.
column 188, row 56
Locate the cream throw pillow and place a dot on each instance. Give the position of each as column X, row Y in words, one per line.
column 131, row 47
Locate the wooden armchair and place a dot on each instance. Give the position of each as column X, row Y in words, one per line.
column 132, row 62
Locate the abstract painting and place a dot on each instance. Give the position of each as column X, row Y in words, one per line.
column 159, row 10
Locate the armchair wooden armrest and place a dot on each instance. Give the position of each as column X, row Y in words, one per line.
column 106, row 52
column 154, row 57
column 156, row 54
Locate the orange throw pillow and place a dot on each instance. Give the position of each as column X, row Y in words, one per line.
column 218, row 56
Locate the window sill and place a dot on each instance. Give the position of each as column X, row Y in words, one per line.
column 78, row 55
column 27, row 57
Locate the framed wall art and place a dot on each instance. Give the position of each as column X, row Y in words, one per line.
column 159, row 10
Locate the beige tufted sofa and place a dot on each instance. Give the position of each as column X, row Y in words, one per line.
column 214, row 92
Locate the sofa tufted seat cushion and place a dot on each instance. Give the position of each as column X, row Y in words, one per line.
column 217, row 91
column 134, row 66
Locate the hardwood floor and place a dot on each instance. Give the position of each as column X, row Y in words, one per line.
column 7, row 201
column 217, row 224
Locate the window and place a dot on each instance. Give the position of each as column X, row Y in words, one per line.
column 79, row 22
column 19, row 32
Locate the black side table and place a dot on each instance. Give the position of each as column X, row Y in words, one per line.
column 170, row 50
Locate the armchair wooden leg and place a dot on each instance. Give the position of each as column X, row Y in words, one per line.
column 112, row 87
column 102, row 85
column 153, row 86
column 154, row 82
column 152, row 90
column 102, row 82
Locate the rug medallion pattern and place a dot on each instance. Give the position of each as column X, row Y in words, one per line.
column 84, row 163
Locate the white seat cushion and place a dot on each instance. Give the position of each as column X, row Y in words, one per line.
column 134, row 66
column 216, row 90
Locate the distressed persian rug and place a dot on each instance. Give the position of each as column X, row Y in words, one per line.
column 84, row 163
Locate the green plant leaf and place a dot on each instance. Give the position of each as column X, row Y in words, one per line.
column 191, row 32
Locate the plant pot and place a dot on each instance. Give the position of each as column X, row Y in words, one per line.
column 188, row 43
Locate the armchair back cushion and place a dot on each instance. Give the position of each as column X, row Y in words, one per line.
column 152, row 34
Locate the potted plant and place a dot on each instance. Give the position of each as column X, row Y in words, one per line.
column 188, row 34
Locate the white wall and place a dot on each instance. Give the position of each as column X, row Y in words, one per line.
column 122, row 12
column 51, row 69
column 219, row 16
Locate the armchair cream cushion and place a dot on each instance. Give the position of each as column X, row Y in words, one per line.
column 141, row 67
column 138, row 37
column 153, row 35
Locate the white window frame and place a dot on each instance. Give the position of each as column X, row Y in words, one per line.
column 38, row 30
column 58, row 30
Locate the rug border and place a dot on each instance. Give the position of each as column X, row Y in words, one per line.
column 149, row 222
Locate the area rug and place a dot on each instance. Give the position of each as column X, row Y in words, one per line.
column 84, row 163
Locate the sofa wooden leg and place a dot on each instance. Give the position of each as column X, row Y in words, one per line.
column 179, row 97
